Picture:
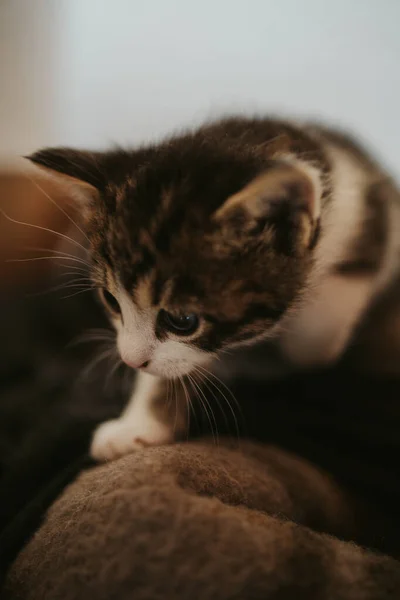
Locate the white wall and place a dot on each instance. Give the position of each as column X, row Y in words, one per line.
column 94, row 72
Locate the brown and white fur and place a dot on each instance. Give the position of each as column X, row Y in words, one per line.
column 253, row 229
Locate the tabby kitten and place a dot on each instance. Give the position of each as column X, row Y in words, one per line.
column 240, row 231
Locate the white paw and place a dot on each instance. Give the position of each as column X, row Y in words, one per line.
column 118, row 437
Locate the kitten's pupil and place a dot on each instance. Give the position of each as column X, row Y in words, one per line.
column 110, row 301
column 180, row 324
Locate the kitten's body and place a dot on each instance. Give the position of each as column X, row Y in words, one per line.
column 264, row 229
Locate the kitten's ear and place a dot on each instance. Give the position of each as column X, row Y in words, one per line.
column 79, row 171
column 283, row 202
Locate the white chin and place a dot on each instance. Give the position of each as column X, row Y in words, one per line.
column 168, row 372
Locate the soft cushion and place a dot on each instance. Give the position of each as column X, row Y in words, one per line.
column 198, row 521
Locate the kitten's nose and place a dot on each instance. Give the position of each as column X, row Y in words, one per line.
column 136, row 365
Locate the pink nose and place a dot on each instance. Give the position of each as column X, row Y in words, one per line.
column 136, row 365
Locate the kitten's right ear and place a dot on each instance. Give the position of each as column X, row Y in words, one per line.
column 283, row 202
column 76, row 170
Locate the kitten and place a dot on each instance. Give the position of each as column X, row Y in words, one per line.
column 241, row 231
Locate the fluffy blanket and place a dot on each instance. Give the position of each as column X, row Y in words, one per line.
column 196, row 521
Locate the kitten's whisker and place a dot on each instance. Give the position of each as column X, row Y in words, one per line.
column 98, row 336
column 206, row 382
column 189, row 378
column 36, row 258
column 86, row 283
column 71, row 286
column 84, row 268
column 208, row 404
column 90, row 340
column 95, row 334
column 57, row 289
column 77, row 293
column 189, row 382
column 57, row 252
column 175, row 394
column 76, row 283
column 209, row 374
column 223, row 351
column 188, row 405
column 105, row 330
column 208, row 408
column 76, row 271
column 113, row 370
column 231, row 408
column 106, row 354
column 64, row 212
column 78, row 278
column 67, row 277
column 41, row 228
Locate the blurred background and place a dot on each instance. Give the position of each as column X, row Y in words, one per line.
column 94, row 72
column 91, row 73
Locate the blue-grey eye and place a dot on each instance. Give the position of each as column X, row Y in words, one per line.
column 180, row 324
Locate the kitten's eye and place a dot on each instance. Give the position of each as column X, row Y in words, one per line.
column 179, row 324
column 110, row 301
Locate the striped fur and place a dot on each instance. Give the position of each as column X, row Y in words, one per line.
column 260, row 227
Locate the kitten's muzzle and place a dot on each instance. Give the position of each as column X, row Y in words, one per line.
column 137, row 365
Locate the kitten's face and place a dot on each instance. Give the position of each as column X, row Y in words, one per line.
column 194, row 252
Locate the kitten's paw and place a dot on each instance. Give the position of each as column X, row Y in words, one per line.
column 118, row 437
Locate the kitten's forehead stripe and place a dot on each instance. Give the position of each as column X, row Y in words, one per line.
column 144, row 264
column 142, row 292
column 157, row 289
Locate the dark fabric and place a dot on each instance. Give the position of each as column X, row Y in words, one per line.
column 195, row 521
column 345, row 422
column 47, row 407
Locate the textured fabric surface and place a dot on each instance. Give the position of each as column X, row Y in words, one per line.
column 196, row 521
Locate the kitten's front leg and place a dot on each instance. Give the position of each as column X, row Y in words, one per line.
column 148, row 420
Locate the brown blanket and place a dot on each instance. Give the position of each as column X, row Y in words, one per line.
column 196, row 521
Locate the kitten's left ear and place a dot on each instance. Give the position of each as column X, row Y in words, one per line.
column 78, row 170
column 284, row 202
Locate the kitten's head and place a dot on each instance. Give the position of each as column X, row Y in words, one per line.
column 195, row 248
